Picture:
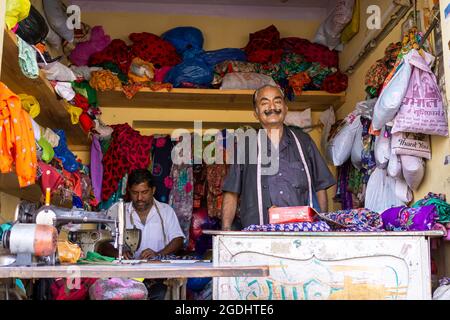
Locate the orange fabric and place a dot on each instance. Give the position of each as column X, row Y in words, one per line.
column 17, row 143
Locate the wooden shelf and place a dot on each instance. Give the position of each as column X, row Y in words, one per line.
column 212, row 99
column 9, row 184
column 53, row 113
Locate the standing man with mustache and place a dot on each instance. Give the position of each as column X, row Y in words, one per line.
column 302, row 177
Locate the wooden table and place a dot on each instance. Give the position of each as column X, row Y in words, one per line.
column 177, row 272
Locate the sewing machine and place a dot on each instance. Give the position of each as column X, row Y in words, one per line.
column 105, row 226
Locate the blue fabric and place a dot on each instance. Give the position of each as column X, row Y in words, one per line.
column 184, row 38
column 194, row 70
column 63, row 153
column 221, row 55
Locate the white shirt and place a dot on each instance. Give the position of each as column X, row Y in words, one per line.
column 152, row 233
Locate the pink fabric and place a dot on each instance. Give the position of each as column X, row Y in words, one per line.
column 160, row 74
column 99, row 41
column 118, row 289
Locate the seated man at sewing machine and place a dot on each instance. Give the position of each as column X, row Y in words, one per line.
column 161, row 233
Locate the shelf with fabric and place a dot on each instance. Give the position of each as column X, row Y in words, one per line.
column 53, row 113
column 212, row 99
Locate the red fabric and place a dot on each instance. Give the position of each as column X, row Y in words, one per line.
column 335, row 83
column 264, row 46
column 312, row 52
column 86, row 122
column 73, row 182
column 117, row 52
column 128, row 151
column 50, row 177
column 199, row 219
column 150, row 47
column 160, row 74
column 81, row 101
column 60, row 290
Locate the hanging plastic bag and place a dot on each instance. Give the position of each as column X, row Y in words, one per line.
column 33, row 29
column 327, row 118
column 411, row 144
column 402, row 191
column 58, row 72
column 352, row 28
column 184, row 38
column 422, row 110
column 382, row 150
column 413, row 170
column 339, row 146
column 55, row 12
column 301, row 119
column 394, row 167
column 329, row 33
column 380, row 192
column 365, row 108
column 245, row 80
column 357, row 147
column 194, row 71
column 392, row 95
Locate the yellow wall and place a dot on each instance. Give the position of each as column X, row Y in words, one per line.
column 437, row 176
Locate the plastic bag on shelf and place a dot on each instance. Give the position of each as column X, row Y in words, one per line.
column 184, row 38
column 301, row 119
column 195, row 71
column 245, row 80
column 221, row 55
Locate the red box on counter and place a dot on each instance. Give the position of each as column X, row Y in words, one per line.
column 278, row 215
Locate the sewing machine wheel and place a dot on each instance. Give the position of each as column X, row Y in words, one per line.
column 133, row 239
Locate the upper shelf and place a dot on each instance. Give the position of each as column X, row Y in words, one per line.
column 213, row 99
column 53, row 113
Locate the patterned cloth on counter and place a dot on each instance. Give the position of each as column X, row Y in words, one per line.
column 319, row 226
column 410, row 219
column 160, row 167
column 439, row 201
column 353, row 220
column 104, row 80
column 215, row 175
column 128, row 151
column 17, row 144
column 181, row 196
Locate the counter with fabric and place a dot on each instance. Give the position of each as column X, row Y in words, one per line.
column 325, row 265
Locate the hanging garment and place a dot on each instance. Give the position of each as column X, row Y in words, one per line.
column 182, row 195
column 160, row 167
column 128, row 151
column 215, row 175
column 17, row 143
column 96, row 168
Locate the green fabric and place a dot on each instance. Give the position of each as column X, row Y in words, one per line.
column 104, row 144
column 86, row 90
column 114, row 69
column 442, row 207
column 27, row 59
column 94, row 257
column 105, row 205
column 47, row 150
column 4, row 227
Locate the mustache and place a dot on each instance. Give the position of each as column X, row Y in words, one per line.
column 272, row 111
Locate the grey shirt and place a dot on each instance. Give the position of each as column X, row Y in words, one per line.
column 288, row 187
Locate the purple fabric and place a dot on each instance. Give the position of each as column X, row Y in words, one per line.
column 96, row 168
column 409, row 219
